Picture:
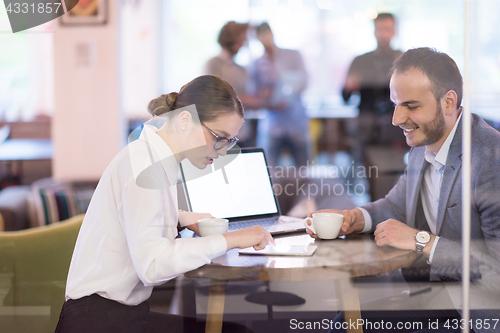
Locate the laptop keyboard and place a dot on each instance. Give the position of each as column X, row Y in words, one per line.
column 245, row 224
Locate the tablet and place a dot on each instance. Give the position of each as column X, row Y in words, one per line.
column 281, row 250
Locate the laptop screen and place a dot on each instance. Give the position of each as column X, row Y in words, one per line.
column 242, row 188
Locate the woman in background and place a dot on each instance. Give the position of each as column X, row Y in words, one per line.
column 127, row 243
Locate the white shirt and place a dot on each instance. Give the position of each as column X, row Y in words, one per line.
column 127, row 244
column 431, row 186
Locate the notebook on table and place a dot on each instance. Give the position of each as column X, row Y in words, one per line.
column 237, row 187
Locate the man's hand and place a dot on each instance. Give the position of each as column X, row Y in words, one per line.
column 190, row 220
column 352, row 82
column 399, row 235
column 396, row 234
column 354, row 221
column 265, row 95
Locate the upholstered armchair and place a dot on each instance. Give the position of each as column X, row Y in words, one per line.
column 34, row 265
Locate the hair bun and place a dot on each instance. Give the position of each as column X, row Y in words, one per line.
column 162, row 104
column 171, row 99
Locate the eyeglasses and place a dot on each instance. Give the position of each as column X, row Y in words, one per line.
column 222, row 142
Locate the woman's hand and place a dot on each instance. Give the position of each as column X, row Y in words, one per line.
column 190, row 220
column 255, row 236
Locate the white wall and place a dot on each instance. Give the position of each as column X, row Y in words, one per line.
column 88, row 126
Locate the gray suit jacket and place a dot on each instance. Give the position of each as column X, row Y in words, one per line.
column 402, row 201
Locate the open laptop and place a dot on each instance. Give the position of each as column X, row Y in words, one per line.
column 237, row 187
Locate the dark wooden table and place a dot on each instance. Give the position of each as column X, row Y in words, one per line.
column 338, row 260
column 15, row 151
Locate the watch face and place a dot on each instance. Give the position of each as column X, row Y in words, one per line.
column 423, row 237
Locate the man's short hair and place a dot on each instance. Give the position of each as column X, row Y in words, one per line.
column 441, row 70
column 230, row 33
column 384, row 16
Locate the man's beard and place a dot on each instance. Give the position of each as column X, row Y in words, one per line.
column 433, row 131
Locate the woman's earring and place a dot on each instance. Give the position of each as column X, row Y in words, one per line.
column 183, row 128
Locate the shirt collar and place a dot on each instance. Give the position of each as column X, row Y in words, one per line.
column 161, row 152
column 439, row 159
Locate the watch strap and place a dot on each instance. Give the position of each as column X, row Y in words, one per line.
column 419, row 247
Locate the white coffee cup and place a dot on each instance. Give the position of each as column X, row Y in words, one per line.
column 325, row 225
column 212, row 226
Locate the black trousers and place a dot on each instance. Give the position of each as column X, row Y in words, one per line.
column 97, row 314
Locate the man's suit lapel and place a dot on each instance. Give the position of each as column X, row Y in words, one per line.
column 414, row 183
column 451, row 171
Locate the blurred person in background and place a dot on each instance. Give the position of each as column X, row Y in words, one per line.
column 368, row 75
column 280, row 76
column 232, row 37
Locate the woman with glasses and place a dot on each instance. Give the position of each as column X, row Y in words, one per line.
column 127, row 243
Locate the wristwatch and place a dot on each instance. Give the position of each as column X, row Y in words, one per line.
column 421, row 239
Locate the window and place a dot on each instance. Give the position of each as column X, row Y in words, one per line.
column 329, row 34
column 26, row 71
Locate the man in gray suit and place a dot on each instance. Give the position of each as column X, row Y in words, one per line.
column 423, row 210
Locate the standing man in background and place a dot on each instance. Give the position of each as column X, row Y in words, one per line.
column 369, row 76
column 280, row 76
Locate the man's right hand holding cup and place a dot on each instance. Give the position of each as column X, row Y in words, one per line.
column 354, row 221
